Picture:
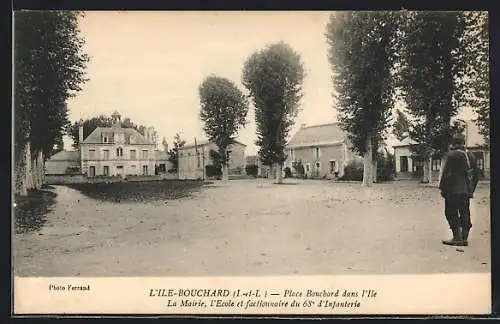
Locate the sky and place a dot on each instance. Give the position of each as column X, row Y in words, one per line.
column 148, row 65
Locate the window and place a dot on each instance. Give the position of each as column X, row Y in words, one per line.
column 132, row 155
column 105, row 170
column 105, row 154
column 105, row 139
column 91, row 154
column 144, row 154
column 403, row 163
column 92, row 171
column 145, row 170
column 199, row 160
column 119, row 152
column 317, row 153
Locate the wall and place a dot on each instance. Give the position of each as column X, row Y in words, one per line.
column 130, row 166
column 402, row 151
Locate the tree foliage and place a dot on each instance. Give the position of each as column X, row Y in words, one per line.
column 90, row 124
column 173, row 153
column 401, row 126
column 223, row 110
column 476, row 41
column 274, row 78
column 49, row 68
column 361, row 54
column 433, row 65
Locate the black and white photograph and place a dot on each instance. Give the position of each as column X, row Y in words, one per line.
column 258, row 144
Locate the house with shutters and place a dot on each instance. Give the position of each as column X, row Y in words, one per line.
column 111, row 151
column 323, row 150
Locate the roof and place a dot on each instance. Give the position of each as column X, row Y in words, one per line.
column 65, row 156
column 96, row 136
column 474, row 139
column 204, row 142
column 324, row 134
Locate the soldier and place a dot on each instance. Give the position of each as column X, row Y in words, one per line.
column 459, row 177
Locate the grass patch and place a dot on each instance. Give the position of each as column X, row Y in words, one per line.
column 139, row 191
column 30, row 211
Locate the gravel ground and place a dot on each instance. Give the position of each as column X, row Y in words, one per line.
column 253, row 227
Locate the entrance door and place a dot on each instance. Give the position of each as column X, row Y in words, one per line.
column 92, row 171
column 145, row 170
column 119, row 170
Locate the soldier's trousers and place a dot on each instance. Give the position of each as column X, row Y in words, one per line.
column 457, row 211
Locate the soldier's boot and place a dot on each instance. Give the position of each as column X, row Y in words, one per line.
column 457, row 239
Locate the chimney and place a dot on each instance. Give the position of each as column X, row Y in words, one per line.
column 80, row 134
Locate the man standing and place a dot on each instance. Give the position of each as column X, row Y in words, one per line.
column 459, row 177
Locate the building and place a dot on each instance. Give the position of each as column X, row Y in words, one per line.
column 407, row 165
column 63, row 162
column 111, row 151
column 323, row 150
column 195, row 157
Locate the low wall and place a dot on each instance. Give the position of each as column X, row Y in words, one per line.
column 80, row 178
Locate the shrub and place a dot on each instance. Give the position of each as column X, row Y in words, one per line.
column 288, row 172
column 213, row 171
column 353, row 171
column 251, row 169
column 385, row 167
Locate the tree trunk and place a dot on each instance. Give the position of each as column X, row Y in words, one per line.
column 28, row 167
column 20, row 173
column 225, row 173
column 367, row 164
column 279, row 173
column 426, row 177
column 374, row 170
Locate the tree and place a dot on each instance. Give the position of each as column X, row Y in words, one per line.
column 223, row 110
column 476, row 41
column 361, row 54
column 173, row 154
column 274, row 77
column 401, row 126
column 49, row 68
column 432, row 74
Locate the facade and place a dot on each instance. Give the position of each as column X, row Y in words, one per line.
column 323, row 150
column 112, row 151
column 407, row 165
column 63, row 162
column 193, row 159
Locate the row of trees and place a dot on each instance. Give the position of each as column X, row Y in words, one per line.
column 49, row 68
column 273, row 77
column 436, row 62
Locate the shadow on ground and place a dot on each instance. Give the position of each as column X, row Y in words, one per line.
column 30, row 211
column 139, row 191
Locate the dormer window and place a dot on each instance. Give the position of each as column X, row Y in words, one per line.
column 105, row 139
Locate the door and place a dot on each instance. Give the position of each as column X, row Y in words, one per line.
column 145, row 170
column 106, row 170
column 92, row 171
column 404, row 164
column 119, row 170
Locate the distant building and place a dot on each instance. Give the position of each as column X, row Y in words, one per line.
column 323, row 150
column 262, row 170
column 408, row 165
column 111, row 151
column 194, row 157
column 63, row 162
